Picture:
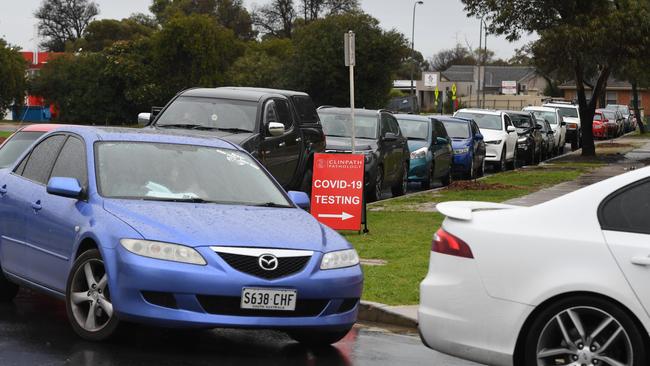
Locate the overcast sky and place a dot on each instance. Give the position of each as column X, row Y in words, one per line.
column 440, row 24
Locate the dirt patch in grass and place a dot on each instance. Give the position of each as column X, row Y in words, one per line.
column 2, row 139
column 611, row 145
column 477, row 185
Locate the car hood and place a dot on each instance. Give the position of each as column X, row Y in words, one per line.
column 572, row 120
column 417, row 144
column 225, row 225
column 345, row 143
column 236, row 138
column 492, row 135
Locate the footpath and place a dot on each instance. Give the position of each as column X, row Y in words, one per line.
column 405, row 316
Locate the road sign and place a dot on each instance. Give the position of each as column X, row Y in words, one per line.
column 349, row 50
column 437, row 94
column 430, row 79
column 453, row 91
column 337, row 190
column 509, row 87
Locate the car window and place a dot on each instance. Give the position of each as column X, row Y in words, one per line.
column 570, row 112
column 305, row 109
column 339, row 125
column 270, row 113
column 385, row 125
column 71, row 162
column 40, row 162
column 393, row 125
column 598, row 117
column 627, row 210
column 16, row 146
column 440, row 129
column 284, row 113
column 487, row 121
column 414, row 129
column 521, row 121
column 210, row 112
column 457, row 130
column 507, row 120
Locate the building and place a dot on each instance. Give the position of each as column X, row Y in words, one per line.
column 505, row 87
column 35, row 108
column 617, row 92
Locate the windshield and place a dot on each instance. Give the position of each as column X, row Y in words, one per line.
column 609, row 115
column 487, row 121
column 571, row 112
column 598, row 117
column 339, row 125
column 521, row 121
column 414, row 129
column 173, row 172
column 457, row 130
column 549, row 116
column 15, row 146
column 210, row 112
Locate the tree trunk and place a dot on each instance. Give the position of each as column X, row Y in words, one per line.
column 587, row 110
column 635, row 106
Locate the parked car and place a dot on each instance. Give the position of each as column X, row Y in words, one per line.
column 405, row 104
column 16, row 144
column 614, row 121
column 602, row 127
column 121, row 224
column 379, row 138
column 430, row 149
column 499, row 133
column 625, row 113
column 552, row 115
column 507, row 293
column 548, row 139
column 570, row 114
column 529, row 143
column 468, row 144
column 280, row 128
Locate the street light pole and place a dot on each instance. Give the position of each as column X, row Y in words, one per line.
column 413, row 45
column 484, row 62
column 478, row 60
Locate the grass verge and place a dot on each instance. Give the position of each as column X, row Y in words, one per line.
column 5, row 134
column 401, row 231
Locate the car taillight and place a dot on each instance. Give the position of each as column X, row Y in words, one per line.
column 445, row 243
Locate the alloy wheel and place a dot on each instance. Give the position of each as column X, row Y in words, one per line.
column 89, row 298
column 584, row 336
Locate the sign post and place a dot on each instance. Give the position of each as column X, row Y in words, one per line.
column 337, row 190
column 350, row 60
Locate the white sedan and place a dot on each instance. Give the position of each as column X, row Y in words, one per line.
column 566, row 282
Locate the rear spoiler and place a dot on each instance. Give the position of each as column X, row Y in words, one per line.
column 464, row 210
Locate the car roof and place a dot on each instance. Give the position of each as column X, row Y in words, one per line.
column 518, row 113
column 481, row 111
column 286, row 93
column 247, row 94
column 540, row 109
column 41, row 127
column 413, row 117
column 357, row 111
column 115, row 134
column 452, row 119
column 560, row 105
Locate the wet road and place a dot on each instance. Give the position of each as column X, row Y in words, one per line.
column 34, row 331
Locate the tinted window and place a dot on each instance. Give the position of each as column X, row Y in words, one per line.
column 440, row 129
column 42, row 158
column 628, row 210
column 457, row 130
column 571, row 112
column 393, row 125
column 521, row 121
column 305, row 109
column 339, row 125
column 385, row 126
column 549, row 116
column 508, row 121
column 487, row 121
column 15, row 146
column 284, row 113
column 414, row 129
column 210, row 112
column 72, row 161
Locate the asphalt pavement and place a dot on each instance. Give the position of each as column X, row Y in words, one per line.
column 34, row 331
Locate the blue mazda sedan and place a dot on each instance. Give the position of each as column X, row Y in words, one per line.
column 173, row 231
column 468, row 144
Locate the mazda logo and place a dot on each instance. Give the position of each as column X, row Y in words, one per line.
column 268, row 262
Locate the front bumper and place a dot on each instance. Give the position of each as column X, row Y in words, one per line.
column 525, row 151
column 493, row 152
column 462, row 163
column 601, row 132
column 208, row 296
column 571, row 135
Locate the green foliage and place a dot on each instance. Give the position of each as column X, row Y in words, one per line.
column 62, row 21
column 103, row 33
column 12, row 77
column 263, row 64
column 318, row 65
column 417, row 63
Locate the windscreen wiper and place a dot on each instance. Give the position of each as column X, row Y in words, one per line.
column 233, row 129
column 188, row 126
column 271, row 204
column 179, row 199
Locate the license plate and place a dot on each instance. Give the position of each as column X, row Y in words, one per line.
column 269, row 299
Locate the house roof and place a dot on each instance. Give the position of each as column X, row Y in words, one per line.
column 612, row 83
column 494, row 75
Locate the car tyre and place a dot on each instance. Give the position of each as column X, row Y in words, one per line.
column 374, row 192
column 315, row 338
column 554, row 330
column 8, row 289
column 446, row 180
column 426, row 184
column 501, row 165
column 481, row 169
column 513, row 164
column 400, row 187
column 471, row 173
column 88, row 301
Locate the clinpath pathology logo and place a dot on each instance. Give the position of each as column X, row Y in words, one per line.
column 343, row 163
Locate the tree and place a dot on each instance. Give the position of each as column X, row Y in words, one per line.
column 60, row 21
column 459, row 55
column 317, row 66
column 314, row 9
column 12, row 77
column 421, row 65
column 229, row 13
column 275, row 19
column 582, row 40
column 264, row 64
column 103, row 33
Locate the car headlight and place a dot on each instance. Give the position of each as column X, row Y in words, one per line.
column 163, row 251
column 522, row 140
column 419, row 153
column 493, row 142
column 340, row 259
column 464, row 150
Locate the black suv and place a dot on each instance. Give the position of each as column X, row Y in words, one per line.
column 278, row 127
column 379, row 138
column 529, row 143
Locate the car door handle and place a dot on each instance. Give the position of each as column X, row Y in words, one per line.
column 3, row 190
column 37, row 205
column 298, row 139
column 282, row 144
column 641, row 261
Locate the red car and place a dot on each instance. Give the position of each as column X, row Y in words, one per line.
column 20, row 141
column 604, row 126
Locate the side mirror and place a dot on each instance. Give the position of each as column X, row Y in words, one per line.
column 301, row 199
column 563, row 123
column 441, row 141
column 538, row 126
column 511, row 129
column 478, row 137
column 64, row 187
column 390, row 136
column 276, row 129
column 144, row 119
